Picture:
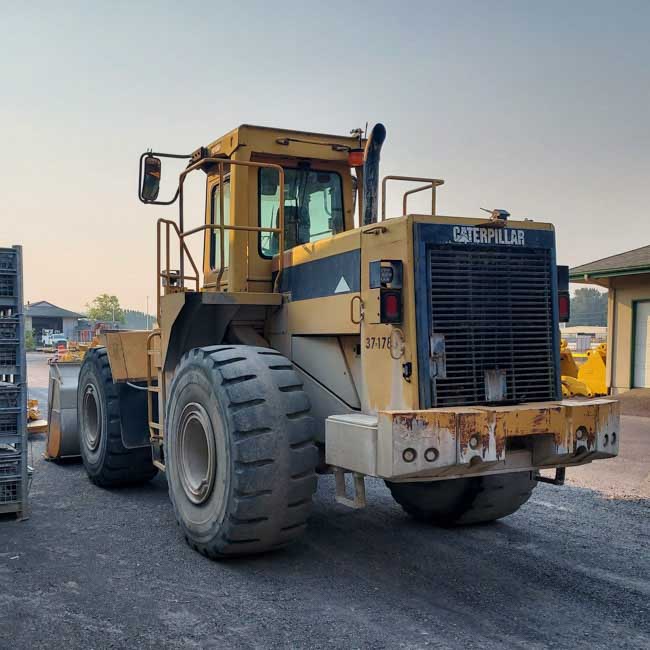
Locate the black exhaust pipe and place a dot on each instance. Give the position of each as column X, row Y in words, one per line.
column 371, row 174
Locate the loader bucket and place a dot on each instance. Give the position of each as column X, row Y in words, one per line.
column 593, row 371
column 568, row 366
column 63, row 432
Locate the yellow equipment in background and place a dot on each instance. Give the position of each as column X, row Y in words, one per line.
column 74, row 352
column 61, row 424
column 62, row 431
column 33, row 412
column 572, row 387
column 592, row 371
column 568, row 366
column 586, row 380
column 35, row 424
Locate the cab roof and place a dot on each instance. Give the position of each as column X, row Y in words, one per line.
column 284, row 142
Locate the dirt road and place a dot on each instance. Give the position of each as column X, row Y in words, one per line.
column 109, row 569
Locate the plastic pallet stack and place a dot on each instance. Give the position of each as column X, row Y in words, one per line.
column 14, row 473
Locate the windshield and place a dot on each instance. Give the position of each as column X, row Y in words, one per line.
column 313, row 207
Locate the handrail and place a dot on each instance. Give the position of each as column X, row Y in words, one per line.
column 221, row 227
column 415, row 191
column 431, row 183
column 150, row 421
column 160, row 274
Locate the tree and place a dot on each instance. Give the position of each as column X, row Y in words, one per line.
column 138, row 320
column 589, row 307
column 106, row 308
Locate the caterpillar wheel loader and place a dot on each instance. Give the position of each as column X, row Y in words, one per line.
column 420, row 349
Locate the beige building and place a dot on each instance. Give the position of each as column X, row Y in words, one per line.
column 627, row 277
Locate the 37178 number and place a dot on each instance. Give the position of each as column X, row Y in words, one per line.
column 377, row 342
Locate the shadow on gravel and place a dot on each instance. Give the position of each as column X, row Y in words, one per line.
column 569, row 569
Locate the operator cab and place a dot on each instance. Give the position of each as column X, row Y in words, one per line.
column 321, row 173
column 247, row 225
column 319, row 199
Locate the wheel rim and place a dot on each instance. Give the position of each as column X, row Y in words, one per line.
column 92, row 418
column 197, row 454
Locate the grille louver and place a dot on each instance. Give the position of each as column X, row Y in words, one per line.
column 494, row 308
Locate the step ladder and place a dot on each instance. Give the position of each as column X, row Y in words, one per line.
column 155, row 386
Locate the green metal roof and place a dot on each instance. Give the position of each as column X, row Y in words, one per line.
column 629, row 263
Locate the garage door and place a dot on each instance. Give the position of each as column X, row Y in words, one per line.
column 642, row 345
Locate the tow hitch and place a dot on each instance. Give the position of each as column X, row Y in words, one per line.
column 560, row 473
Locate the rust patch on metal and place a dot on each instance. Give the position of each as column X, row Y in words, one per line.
column 410, row 421
column 528, row 421
column 470, row 425
column 540, row 421
column 591, row 439
column 498, row 423
column 500, row 437
column 585, row 418
column 405, row 421
column 424, row 424
column 485, row 443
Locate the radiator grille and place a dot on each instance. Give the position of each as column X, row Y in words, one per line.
column 494, row 308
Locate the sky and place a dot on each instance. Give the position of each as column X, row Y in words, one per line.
column 540, row 108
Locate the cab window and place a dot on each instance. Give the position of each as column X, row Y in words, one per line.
column 313, row 207
column 215, row 261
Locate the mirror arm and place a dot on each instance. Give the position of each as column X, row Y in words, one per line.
column 159, row 155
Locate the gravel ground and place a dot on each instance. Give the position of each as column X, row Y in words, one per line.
column 109, row 569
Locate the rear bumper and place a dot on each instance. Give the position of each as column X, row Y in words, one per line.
column 453, row 442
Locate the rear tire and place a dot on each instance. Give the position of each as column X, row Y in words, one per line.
column 108, row 463
column 239, row 450
column 463, row 501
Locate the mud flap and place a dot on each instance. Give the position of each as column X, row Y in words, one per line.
column 133, row 415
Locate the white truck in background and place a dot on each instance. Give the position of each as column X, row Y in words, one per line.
column 53, row 339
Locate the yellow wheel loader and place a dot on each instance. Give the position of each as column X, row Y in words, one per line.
column 420, row 349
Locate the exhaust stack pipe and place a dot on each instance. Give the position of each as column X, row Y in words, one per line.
column 371, row 174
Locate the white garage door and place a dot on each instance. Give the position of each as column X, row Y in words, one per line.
column 642, row 346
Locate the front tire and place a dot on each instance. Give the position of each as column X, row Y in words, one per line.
column 239, row 450
column 107, row 461
column 463, row 501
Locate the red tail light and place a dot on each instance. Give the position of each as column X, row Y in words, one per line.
column 564, row 309
column 564, row 301
column 391, row 306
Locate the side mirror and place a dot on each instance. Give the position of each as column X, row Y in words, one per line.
column 150, row 179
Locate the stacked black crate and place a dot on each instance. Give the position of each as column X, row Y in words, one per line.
column 13, row 386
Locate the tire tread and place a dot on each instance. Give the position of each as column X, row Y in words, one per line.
column 121, row 467
column 274, row 456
